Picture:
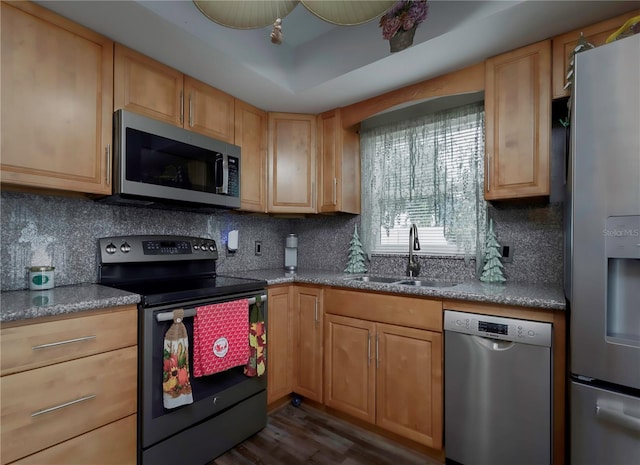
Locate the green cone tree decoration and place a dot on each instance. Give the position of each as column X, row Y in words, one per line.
column 356, row 263
column 492, row 271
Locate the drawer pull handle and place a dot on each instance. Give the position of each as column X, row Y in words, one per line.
column 66, row 404
column 68, row 341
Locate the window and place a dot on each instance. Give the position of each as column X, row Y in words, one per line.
column 427, row 171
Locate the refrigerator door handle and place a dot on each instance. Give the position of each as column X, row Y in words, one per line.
column 618, row 416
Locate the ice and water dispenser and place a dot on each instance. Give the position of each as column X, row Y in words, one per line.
column 622, row 239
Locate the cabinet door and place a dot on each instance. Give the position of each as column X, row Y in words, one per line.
column 57, row 88
column 349, row 378
column 209, row 110
column 518, row 123
column 94, row 447
column 564, row 44
column 147, row 87
column 339, row 165
column 251, row 136
column 307, row 366
column 48, row 405
column 279, row 343
column 409, row 383
column 292, row 163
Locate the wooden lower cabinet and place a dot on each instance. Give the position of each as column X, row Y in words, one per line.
column 349, row 377
column 279, row 343
column 409, row 383
column 307, row 356
column 69, row 390
column 113, row 444
column 387, row 375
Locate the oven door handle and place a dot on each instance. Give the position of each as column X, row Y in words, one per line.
column 189, row 312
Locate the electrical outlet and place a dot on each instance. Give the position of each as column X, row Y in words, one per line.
column 258, row 247
column 507, row 254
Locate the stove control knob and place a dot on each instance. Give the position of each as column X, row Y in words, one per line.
column 196, row 247
column 111, row 249
column 126, row 248
column 212, row 247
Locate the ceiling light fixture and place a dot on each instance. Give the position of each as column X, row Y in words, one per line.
column 253, row 14
column 245, row 14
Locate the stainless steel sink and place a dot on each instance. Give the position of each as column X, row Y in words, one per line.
column 374, row 279
column 405, row 282
column 427, row 283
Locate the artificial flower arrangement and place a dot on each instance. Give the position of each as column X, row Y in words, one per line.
column 404, row 15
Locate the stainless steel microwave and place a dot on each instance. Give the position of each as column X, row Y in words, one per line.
column 157, row 164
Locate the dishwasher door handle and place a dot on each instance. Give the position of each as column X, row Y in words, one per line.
column 491, row 343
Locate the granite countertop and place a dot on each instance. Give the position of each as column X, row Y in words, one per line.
column 548, row 296
column 19, row 305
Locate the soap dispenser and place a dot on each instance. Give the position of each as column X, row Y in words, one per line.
column 291, row 253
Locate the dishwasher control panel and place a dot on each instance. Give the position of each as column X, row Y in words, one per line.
column 506, row 329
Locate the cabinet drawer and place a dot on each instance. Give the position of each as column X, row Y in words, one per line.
column 40, row 344
column 113, row 444
column 392, row 309
column 51, row 404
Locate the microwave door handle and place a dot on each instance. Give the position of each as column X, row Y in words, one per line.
column 217, row 174
column 225, row 173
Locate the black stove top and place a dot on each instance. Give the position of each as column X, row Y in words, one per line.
column 174, row 291
column 167, row 269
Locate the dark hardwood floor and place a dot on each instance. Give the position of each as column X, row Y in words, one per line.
column 306, row 435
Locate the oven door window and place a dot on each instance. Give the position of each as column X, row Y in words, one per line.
column 156, row 160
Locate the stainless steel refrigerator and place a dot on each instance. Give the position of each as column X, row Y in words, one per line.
column 602, row 261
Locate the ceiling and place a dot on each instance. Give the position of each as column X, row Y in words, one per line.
column 321, row 66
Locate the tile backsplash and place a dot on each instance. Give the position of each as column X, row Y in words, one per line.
column 63, row 232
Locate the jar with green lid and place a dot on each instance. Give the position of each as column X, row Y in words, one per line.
column 41, row 277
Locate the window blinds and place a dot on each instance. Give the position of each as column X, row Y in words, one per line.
column 427, row 171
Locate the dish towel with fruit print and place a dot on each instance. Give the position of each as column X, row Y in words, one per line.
column 257, row 341
column 176, row 387
column 220, row 337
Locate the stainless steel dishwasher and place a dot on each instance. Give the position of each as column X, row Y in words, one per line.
column 497, row 387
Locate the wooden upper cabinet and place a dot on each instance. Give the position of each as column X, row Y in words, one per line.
column 518, row 123
column 307, row 355
column 251, row 137
column 147, row 87
column 563, row 46
column 339, row 165
column 57, row 102
column 209, row 110
column 292, row 163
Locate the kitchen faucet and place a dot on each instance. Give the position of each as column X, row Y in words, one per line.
column 413, row 267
